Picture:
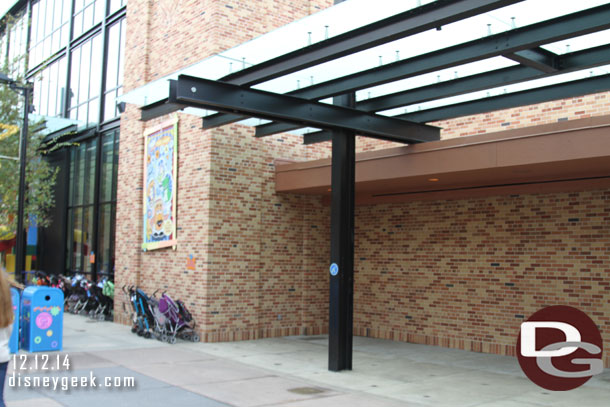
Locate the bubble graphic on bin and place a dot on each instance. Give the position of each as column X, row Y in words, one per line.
column 13, row 344
column 42, row 319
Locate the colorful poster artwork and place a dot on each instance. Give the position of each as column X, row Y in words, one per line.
column 160, row 169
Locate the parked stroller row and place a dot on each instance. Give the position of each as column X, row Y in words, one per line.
column 84, row 297
column 161, row 318
column 81, row 296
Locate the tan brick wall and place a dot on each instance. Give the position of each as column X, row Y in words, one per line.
column 432, row 272
column 466, row 273
column 229, row 217
column 526, row 116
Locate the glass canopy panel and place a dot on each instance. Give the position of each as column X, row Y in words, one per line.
column 501, row 20
column 579, row 43
column 352, row 14
column 443, row 75
column 326, row 23
column 502, row 90
column 52, row 124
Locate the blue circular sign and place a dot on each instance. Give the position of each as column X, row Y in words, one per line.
column 334, row 269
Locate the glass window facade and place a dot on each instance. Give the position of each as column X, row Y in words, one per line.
column 50, row 29
column 50, row 89
column 107, row 203
column 73, row 53
column 114, row 68
column 85, row 77
column 87, row 13
column 74, row 45
column 90, row 247
column 115, row 5
column 15, row 35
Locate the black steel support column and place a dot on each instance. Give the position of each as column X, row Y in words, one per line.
column 20, row 249
column 341, row 302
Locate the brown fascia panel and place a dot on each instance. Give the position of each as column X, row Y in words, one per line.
column 570, row 150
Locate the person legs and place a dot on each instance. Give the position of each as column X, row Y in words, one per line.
column 3, row 367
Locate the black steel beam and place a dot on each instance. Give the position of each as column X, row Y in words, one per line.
column 159, row 109
column 568, row 26
column 162, row 107
column 575, row 61
column 429, row 16
column 571, row 62
column 425, row 93
column 317, row 137
column 453, row 87
column 341, row 301
column 221, row 119
column 221, row 96
column 523, row 98
column 547, row 32
column 538, row 58
column 433, row 15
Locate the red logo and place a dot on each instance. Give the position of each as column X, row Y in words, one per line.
column 560, row 348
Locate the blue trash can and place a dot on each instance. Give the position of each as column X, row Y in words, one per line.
column 13, row 344
column 42, row 319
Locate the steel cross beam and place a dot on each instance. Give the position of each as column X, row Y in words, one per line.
column 527, row 97
column 519, row 39
column 429, row 16
column 215, row 95
column 414, row 21
column 574, row 61
column 162, row 107
column 537, row 58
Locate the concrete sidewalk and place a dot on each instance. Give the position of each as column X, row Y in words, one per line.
column 283, row 372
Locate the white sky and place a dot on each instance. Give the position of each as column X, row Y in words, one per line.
column 5, row 6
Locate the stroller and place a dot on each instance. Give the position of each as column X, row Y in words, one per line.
column 99, row 306
column 174, row 320
column 142, row 315
column 78, row 297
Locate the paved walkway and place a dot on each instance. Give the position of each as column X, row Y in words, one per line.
column 282, row 372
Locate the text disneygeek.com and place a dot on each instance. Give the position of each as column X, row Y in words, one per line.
column 61, row 364
column 66, row 383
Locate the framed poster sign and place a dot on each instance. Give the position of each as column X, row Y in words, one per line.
column 160, row 188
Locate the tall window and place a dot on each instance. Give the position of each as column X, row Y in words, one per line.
column 87, row 13
column 107, row 203
column 50, row 89
column 73, row 45
column 114, row 68
column 114, row 5
column 90, row 245
column 15, row 44
column 85, row 78
column 73, row 53
column 50, row 29
column 83, row 161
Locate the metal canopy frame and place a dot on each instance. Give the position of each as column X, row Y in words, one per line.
column 198, row 92
column 233, row 97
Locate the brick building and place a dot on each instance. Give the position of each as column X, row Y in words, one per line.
column 456, row 255
column 460, row 265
